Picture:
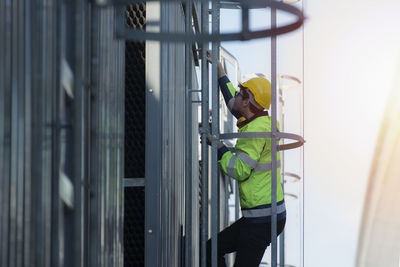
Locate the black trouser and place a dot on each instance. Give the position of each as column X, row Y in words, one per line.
column 248, row 240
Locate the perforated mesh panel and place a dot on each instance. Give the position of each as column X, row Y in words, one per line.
column 134, row 227
column 135, row 113
column 135, row 118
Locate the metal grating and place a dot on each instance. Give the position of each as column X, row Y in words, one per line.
column 134, row 227
column 135, row 109
column 135, row 119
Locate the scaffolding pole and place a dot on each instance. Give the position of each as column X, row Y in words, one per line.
column 188, row 139
column 273, row 141
column 215, row 211
column 204, row 38
column 282, row 124
column 204, row 131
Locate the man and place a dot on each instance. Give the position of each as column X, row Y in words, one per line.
column 251, row 167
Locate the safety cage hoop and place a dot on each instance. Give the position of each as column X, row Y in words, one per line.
column 124, row 32
column 300, row 140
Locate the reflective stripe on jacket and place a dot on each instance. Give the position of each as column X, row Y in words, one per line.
column 251, row 167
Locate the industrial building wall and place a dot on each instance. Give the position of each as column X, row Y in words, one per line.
column 107, row 141
column 61, row 134
column 165, row 146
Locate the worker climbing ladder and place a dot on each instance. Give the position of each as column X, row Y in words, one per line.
column 203, row 38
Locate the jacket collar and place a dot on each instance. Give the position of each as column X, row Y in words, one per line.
column 260, row 114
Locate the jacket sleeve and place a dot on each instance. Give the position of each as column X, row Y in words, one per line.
column 240, row 165
column 228, row 91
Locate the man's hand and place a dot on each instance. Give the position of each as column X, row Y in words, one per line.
column 220, row 144
column 209, row 139
column 221, row 71
column 209, row 56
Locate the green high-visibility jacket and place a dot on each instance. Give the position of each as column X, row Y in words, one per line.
column 251, row 167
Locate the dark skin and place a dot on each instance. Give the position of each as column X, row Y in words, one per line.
column 243, row 105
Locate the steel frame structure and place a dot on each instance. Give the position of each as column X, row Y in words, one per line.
column 245, row 34
column 205, row 38
column 65, row 81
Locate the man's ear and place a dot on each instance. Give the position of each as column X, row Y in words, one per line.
column 246, row 102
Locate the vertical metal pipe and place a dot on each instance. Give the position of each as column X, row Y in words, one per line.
column 106, row 71
column 273, row 141
column 49, row 132
column 121, row 152
column 14, row 138
column 57, row 229
column 88, row 137
column 28, row 133
column 94, row 152
column 155, row 63
column 79, row 135
column 5, row 134
column 282, row 124
column 20, row 47
column 40, row 133
column 302, row 205
column 226, row 200
column 215, row 211
column 237, row 201
column 204, row 131
column 282, row 249
column 188, row 138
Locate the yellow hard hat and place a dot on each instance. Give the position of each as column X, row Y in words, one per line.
column 261, row 89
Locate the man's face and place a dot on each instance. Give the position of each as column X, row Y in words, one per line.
column 240, row 101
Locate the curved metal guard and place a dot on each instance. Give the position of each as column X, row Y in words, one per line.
column 294, row 81
column 289, row 196
column 300, row 140
column 294, row 177
column 245, row 34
